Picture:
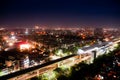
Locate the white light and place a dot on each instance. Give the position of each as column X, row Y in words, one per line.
column 54, row 57
column 80, row 51
column 13, row 37
column 26, row 32
column 96, row 48
column 10, row 44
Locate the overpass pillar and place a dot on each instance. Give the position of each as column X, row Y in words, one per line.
column 94, row 54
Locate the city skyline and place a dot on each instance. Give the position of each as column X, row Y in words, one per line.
column 66, row 13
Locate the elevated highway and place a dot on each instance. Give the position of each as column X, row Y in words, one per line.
column 40, row 69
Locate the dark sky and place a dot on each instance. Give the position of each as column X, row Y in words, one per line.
column 59, row 12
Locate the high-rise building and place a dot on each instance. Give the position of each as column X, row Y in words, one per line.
column 98, row 33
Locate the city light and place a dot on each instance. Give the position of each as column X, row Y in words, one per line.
column 36, row 27
column 106, row 39
column 53, row 57
column 13, row 37
column 80, row 51
column 60, row 47
column 25, row 46
column 5, row 37
column 10, row 44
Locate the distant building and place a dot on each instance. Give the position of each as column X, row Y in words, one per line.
column 98, row 33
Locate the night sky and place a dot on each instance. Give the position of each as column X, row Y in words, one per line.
column 27, row 13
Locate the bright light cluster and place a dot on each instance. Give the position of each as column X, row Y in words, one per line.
column 25, row 46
